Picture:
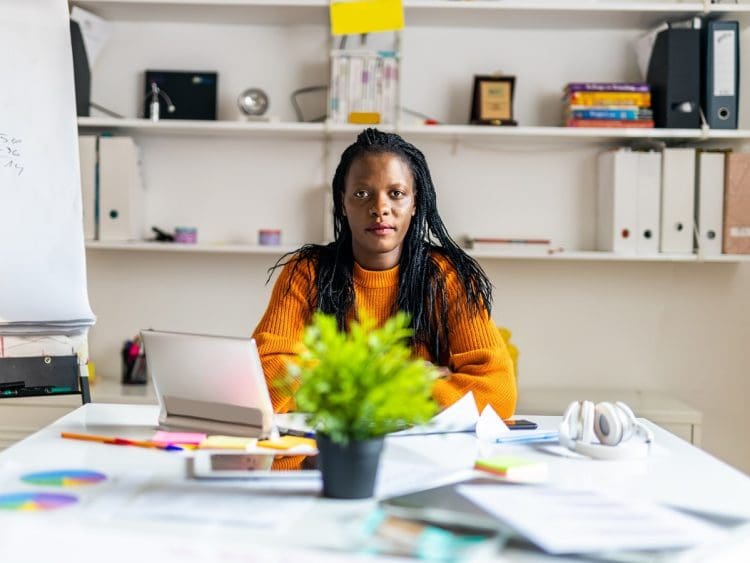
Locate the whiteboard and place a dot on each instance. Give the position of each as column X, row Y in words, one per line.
column 42, row 255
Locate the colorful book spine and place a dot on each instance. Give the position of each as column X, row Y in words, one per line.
column 639, row 99
column 619, row 123
column 598, row 113
column 607, row 87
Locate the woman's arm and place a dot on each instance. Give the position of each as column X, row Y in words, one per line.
column 479, row 359
column 279, row 332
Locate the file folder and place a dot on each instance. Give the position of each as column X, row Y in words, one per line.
column 709, row 203
column 677, row 200
column 88, row 163
column 720, row 73
column 737, row 204
column 120, row 190
column 674, row 77
column 648, row 194
column 617, row 201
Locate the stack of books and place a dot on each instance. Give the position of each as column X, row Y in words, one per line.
column 608, row 104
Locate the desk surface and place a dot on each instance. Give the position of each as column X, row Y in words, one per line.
column 676, row 473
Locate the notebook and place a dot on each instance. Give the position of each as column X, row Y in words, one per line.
column 206, row 383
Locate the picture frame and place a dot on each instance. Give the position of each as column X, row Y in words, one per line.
column 492, row 100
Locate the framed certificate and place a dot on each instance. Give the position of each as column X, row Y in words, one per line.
column 492, row 102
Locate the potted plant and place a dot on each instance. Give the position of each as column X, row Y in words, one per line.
column 355, row 387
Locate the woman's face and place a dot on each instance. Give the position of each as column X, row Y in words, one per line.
column 379, row 202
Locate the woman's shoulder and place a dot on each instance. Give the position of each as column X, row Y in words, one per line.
column 301, row 264
column 440, row 258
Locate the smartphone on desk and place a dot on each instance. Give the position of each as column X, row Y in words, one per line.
column 520, row 424
column 240, row 465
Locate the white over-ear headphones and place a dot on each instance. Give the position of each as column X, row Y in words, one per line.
column 613, row 424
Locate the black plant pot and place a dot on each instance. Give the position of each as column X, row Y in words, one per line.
column 349, row 471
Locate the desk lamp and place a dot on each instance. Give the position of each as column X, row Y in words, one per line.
column 153, row 103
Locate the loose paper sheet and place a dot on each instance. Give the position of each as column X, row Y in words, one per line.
column 579, row 521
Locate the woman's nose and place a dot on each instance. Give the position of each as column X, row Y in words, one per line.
column 381, row 206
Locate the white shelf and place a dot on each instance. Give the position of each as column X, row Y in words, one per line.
column 547, row 14
column 513, row 134
column 204, row 128
column 584, row 255
column 258, row 12
column 479, row 254
column 190, row 248
column 321, row 131
column 475, row 13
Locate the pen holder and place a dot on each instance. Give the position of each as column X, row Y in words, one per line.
column 133, row 363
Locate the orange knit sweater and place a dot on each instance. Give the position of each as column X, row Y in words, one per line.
column 479, row 360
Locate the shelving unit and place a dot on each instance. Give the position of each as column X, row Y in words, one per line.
column 582, row 319
column 232, row 177
column 519, row 20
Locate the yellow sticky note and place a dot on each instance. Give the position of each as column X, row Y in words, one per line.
column 227, row 443
column 287, row 442
column 366, row 16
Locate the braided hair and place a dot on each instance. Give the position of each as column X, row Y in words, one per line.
column 421, row 287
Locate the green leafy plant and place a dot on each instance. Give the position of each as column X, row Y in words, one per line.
column 364, row 383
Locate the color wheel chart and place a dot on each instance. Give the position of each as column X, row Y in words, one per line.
column 35, row 501
column 64, row 478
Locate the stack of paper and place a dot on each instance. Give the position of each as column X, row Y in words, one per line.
column 43, row 280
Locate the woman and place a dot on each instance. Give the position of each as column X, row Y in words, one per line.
column 392, row 252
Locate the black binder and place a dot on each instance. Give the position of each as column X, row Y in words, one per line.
column 81, row 71
column 674, row 77
column 720, row 63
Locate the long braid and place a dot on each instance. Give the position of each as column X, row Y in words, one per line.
column 422, row 291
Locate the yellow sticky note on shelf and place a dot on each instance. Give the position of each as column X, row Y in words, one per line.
column 364, row 117
column 366, row 16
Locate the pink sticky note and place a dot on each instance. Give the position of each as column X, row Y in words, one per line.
column 163, row 437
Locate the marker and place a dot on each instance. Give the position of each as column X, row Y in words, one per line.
column 121, row 441
column 297, row 433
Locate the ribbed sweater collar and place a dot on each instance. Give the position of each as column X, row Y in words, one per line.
column 375, row 278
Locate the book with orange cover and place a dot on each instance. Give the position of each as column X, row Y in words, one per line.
column 619, row 123
column 639, row 99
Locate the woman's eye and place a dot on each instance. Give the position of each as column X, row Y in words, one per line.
column 397, row 194
column 360, row 194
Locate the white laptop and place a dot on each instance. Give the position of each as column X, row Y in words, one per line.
column 211, row 384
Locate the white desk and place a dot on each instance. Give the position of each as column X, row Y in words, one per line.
column 20, row 417
column 93, row 530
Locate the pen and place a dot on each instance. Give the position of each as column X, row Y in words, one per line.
column 513, row 240
column 298, row 433
column 543, row 437
column 120, row 441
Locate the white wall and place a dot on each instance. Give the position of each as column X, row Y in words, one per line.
column 679, row 328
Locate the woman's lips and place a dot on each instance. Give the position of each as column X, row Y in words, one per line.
column 380, row 229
